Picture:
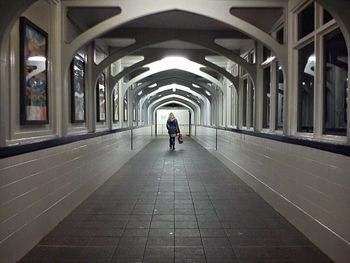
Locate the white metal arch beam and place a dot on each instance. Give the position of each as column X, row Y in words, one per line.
column 151, row 59
column 168, row 92
column 184, row 80
column 131, row 10
column 197, row 72
column 194, row 106
column 172, row 97
column 162, row 104
column 197, row 92
column 150, row 39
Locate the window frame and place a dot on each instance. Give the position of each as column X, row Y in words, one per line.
column 317, row 36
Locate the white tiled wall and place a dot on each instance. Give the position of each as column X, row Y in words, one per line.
column 311, row 188
column 38, row 189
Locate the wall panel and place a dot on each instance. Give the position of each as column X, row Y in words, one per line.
column 39, row 189
column 310, row 187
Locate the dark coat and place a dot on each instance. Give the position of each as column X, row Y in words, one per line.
column 172, row 126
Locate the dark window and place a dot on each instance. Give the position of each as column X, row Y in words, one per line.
column 306, row 21
column 244, row 104
column 266, row 97
column 326, row 16
column 266, row 53
column 306, row 73
column 280, row 36
column 335, row 83
column 279, row 97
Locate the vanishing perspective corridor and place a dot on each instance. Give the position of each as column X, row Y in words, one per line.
column 175, row 206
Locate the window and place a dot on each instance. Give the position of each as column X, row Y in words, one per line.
column 266, row 53
column 335, row 83
column 306, row 21
column 306, row 72
column 279, row 97
column 280, row 36
column 326, row 16
column 244, row 103
column 266, row 97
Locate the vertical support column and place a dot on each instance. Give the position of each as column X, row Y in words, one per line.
column 259, row 89
column 228, row 105
column 155, row 124
column 132, row 138
column 273, row 96
column 249, row 103
column 60, row 100
column 189, row 123
column 216, row 138
column 90, row 92
column 240, row 104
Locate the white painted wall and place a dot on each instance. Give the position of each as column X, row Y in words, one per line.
column 310, row 187
column 39, row 189
column 182, row 116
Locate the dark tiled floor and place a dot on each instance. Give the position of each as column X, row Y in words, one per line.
column 181, row 206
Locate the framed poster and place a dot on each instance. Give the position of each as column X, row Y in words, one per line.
column 101, row 98
column 34, row 100
column 78, row 89
column 116, row 104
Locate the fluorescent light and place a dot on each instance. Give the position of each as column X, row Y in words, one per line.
column 174, row 89
column 312, row 58
column 140, row 93
column 268, row 60
column 208, row 93
column 153, row 85
column 195, row 86
column 37, row 59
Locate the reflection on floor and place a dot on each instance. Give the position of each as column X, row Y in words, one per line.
column 175, row 206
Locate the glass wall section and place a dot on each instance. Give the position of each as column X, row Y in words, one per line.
column 326, row 16
column 280, row 36
column 279, row 97
column 266, row 53
column 244, row 103
column 266, row 97
column 335, row 83
column 306, row 73
column 306, row 21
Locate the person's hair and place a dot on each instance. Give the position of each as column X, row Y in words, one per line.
column 171, row 116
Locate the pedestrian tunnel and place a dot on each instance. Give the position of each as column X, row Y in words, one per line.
column 260, row 91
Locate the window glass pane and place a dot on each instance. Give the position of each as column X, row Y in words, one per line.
column 279, row 97
column 266, row 53
column 280, row 36
column 326, row 16
column 306, row 21
column 266, row 98
column 306, row 73
column 252, row 104
column 335, row 83
column 244, row 104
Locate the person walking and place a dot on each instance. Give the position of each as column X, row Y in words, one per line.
column 173, row 129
